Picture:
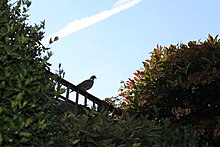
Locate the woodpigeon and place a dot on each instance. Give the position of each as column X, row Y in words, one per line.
column 87, row 84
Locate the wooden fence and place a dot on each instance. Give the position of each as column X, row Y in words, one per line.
column 79, row 93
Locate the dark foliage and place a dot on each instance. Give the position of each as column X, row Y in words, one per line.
column 27, row 93
column 182, row 82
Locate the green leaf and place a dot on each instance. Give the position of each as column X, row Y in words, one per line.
column 50, row 41
column 28, row 81
column 56, row 38
column 42, row 123
column 136, row 144
column 14, row 104
column 1, row 110
column 205, row 59
column 105, row 142
column 28, row 122
column 28, row 3
column 210, row 38
column 25, row 134
column 19, row 96
column 1, row 138
column 25, row 140
column 179, row 79
column 76, row 141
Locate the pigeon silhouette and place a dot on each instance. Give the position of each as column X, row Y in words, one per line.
column 87, row 84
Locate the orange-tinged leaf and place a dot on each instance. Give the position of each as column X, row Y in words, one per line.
column 127, row 100
column 136, row 74
column 121, row 94
column 130, row 85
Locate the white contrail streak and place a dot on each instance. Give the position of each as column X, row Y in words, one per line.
column 122, row 2
column 88, row 21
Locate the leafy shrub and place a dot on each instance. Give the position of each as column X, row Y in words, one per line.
column 27, row 92
column 96, row 129
column 183, row 83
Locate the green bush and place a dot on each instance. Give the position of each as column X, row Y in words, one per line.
column 183, row 83
column 96, row 129
column 26, row 90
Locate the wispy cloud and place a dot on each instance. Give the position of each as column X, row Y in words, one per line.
column 122, row 2
column 80, row 24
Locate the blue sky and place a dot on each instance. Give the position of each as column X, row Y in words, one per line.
column 114, row 48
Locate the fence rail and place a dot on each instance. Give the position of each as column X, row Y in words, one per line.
column 101, row 105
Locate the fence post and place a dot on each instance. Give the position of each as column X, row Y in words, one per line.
column 85, row 101
column 99, row 107
column 67, row 96
column 77, row 100
column 67, row 92
column 93, row 105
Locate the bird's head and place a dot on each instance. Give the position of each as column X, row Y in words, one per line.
column 93, row 77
